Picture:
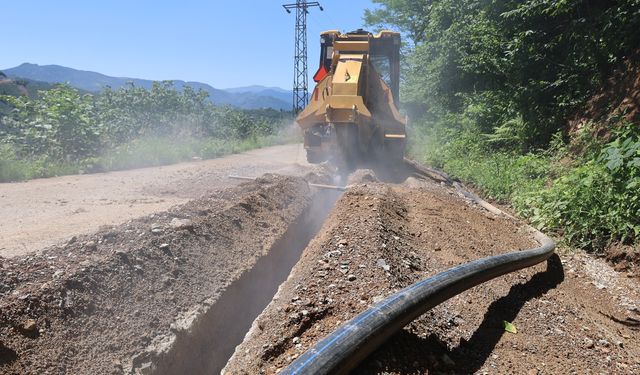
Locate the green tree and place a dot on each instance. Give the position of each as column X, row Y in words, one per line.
column 61, row 124
column 511, row 63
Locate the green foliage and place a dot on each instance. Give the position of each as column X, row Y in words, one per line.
column 153, row 151
column 63, row 131
column 15, row 168
column 455, row 145
column 591, row 201
column 59, row 124
column 16, row 88
column 597, row 202
column 10, row 168
column 534, row 61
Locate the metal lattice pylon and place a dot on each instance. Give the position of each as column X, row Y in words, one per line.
column 300, row 79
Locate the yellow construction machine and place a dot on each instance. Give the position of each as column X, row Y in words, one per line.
column 352, row 116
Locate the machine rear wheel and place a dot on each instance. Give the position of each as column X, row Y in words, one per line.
column 347, row 155
column 394, row 150
column 316, row 157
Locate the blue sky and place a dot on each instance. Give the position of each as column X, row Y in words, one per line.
column 222, row 43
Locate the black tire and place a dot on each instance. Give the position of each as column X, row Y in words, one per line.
column 394, row 151
column 377, row 154
column 315, row 157
column 348, row 155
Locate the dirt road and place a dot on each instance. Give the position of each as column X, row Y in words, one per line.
column 40, row 213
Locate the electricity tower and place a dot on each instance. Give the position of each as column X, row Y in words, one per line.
column 300, row 91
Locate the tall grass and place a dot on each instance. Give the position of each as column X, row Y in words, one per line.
column 463, row 152
column 143, row 152
column 592, row 199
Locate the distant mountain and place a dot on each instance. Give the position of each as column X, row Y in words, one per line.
column 275, row 92
column 257, row 89
column 250, row 97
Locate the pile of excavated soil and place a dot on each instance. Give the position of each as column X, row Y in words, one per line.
column 573, row 314
column 625, row 258
column 115, row 301
column 40, row 213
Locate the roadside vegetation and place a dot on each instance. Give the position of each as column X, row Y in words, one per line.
column 63, row 131
column 498, row 91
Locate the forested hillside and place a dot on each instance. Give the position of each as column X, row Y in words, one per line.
column 492, row 88
column 64, row 131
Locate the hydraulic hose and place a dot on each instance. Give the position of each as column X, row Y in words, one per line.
column 345, row 348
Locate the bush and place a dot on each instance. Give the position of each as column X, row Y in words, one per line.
column 63, row 132
column 456, row 146
column 597, row 202
column 591, row 201
column 11, row 169
column 15, row 168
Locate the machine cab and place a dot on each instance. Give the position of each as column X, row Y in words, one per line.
column 383, row 53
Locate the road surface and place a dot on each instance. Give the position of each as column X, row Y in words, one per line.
column 43, row 212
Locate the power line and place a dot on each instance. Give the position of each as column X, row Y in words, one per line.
column 300, row 90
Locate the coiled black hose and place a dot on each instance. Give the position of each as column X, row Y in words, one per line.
column 352, row 342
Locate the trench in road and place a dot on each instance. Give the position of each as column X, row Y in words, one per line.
column 210, row 342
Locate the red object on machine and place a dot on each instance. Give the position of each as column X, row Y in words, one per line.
column 320, row 74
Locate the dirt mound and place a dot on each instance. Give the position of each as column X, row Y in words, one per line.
column 379, row 239
column 625, row 258
column 362, row 176
column 115, row 301
column 45, row 212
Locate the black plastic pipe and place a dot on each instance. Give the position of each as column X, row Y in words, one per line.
column 345, row 348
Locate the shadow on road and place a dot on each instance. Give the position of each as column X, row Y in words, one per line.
column 408, row 353
column 7, row 355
